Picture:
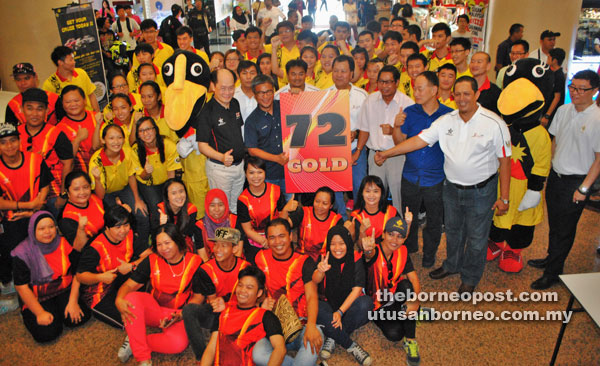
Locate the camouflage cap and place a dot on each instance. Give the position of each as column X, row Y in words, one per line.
column 227, row 234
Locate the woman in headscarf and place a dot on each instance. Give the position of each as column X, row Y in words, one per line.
column 239, row 19
column 341, row 277
column 43, row 267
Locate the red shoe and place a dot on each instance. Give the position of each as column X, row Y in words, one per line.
column 350, row 205
column 494, row 250
column 511, row 260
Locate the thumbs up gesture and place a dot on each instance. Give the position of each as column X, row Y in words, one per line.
column 400, row 118
column 292, row 204
column 163, row 217
column 148, row 168
column 324, row 265
column 408, row 216
column 227, row 158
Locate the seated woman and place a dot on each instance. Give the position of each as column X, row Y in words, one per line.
column 169, row 270
column 43, row 267
column 342, row 278
column 258, row 204
column 217, row 216
column 121, row 114
column 371, row 209
column 178, row 210
column 314, row 222
column 82, row 217
column 106, row 263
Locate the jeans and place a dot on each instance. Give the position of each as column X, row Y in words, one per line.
column 263, row 349
column 230, row 179
column 281, row 183
column 390, row 173
column 412, row 196
column 563, row 216
column 359, row 171
column 355, row 317
column 468, row 217
column 152, row 195
column 142, row 222
column 198, row 319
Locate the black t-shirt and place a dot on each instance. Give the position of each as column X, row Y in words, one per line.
column 270, row 322
column 559, row 87
column 202, row 283
column 90, row 257
column 221, row 128
column 308, row 268
column 63, row 147
column 45, row 174
column 22, row 274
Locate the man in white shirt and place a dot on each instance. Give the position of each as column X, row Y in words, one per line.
column 547, row 42
column 296, row 74
column 343, row 70
column 475, row 143
column 247, row 70
column 126, row 28
column 376, row 120
column 575, row 167
column 270, row 14
column 463, row 28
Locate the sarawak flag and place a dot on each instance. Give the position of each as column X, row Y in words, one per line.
column 316, row 135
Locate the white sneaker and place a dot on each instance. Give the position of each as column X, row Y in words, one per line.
column 327, row 349
column 7, row 289
column 6, row 306
column 360, row 355
column 125, row 351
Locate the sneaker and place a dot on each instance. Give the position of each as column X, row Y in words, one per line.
column 125, row 351
column 511, row 261
column 6, row 306
column 8, row 289
column 360, row 355
column 327, row 349
column 412, row 352
column 350, row 205
column 494, row 250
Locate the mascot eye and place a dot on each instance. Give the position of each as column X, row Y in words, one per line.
column 511, row 70
column 168, row 69
column 196, row 69
column 538, row 71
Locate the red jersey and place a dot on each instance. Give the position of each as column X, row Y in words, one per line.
column 111, row 256
column 16, row 106
column 62, row 278
column 70, row 127
column 378, row 220
column 239, row 330
column 313, row 232
column 94, row 211
column 260, row 210
column 284, row 277
column 210, row 244
column 378, row 273
column 224, row 281
column 172, row 284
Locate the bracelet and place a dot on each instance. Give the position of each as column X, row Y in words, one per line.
column 340, row 311
column 17, row 209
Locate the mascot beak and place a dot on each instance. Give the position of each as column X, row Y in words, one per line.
column 520, row 98
column 181, row 96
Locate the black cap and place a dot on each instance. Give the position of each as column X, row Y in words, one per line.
column 8, row 129
column 397, row 224
column 549, row 34
column 35, row 95
column 23, row 68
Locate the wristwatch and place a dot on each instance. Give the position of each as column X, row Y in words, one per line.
column 505, row 201
column 546, row 116
column 583, row 190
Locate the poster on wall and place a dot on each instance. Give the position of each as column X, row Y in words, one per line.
column 223, row 9
column 478, row 17
column 316, row 136
column 77, row 30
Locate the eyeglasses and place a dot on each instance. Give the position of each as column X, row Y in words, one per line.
column 120, row 86
column 385, row 82
column 578, row 90
column 456, row 51
column 517, row 53
column 263, row 93
column 144, row 130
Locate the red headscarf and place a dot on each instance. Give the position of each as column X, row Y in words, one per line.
column 210, row 223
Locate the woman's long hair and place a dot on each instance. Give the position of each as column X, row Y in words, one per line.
column 182, row 218
column 141, row 147
column 359, row 202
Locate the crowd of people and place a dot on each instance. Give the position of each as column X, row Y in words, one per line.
column 113, row 214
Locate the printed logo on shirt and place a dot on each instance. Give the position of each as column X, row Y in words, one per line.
column 157, row 273
column 475, row 134
column 221, row 122
column 238, row 115
column 450, row 132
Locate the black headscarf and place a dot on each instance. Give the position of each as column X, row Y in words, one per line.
column 239, row 18
column 339, row 280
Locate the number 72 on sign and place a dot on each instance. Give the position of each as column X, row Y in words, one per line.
column 316, row 135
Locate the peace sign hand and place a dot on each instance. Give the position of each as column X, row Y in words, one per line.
column 324, row 265
column 368, row 243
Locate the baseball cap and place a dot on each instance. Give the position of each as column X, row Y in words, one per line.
column 23, row 68
column 8, row 129
column 227, row 234
column 549, row 34
column 35, row 95
column 397, row 224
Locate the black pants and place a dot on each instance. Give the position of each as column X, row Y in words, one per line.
column 518, row 237
column 412, row 196
column 106, row 310
column 55, row 306
column 14, row 233
column 563, row 216
column 395, row 330
column 198, row 320
column 201, row 41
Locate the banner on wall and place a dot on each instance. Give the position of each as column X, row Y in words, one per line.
column 316, row 135
column 478, row 17
column 77, row 30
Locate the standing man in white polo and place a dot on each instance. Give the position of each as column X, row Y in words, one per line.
column 376, row 122
column 476, row 144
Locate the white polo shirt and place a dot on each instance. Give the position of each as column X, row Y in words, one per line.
column 286, row 88
column 247, row 105
column 375, row 112
column 471, row 149
column 577, row 138
column 357, row 98
column 274, row 14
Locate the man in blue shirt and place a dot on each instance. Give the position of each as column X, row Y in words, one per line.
column 262, row 131
column 423, row 174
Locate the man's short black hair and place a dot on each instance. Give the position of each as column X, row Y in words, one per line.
column 383, row 19
column 366, row 33
column 468, row 79
column 392, row 69
column 257, row 273
column 253, row 29
column 393, row 35
column 461, row 41
column 307, row 19
column 590, row 76
column 308, row 35
column 183, row 30
column 59, row 53
column 262, row 79
column 147, row 24
column 276, row 222
column 416, row 30
column 285, row 24
column 119, row 7
column 448, row 66
column 214, row 78
column 296, row 63
column 175, row 9
column 410, row 45
column 343, row 25
column 237, row 34
column 405, row 22
column 116, row 215
column 441, row 27
column 515, row 28
column 558, row 54
column 143, row 47
column 245, row 64
column 344, row 58
column 417, row 56
column 407, row 11
column 523, row 43
column 374, row 26
column 431, row 77
column 463, row 16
